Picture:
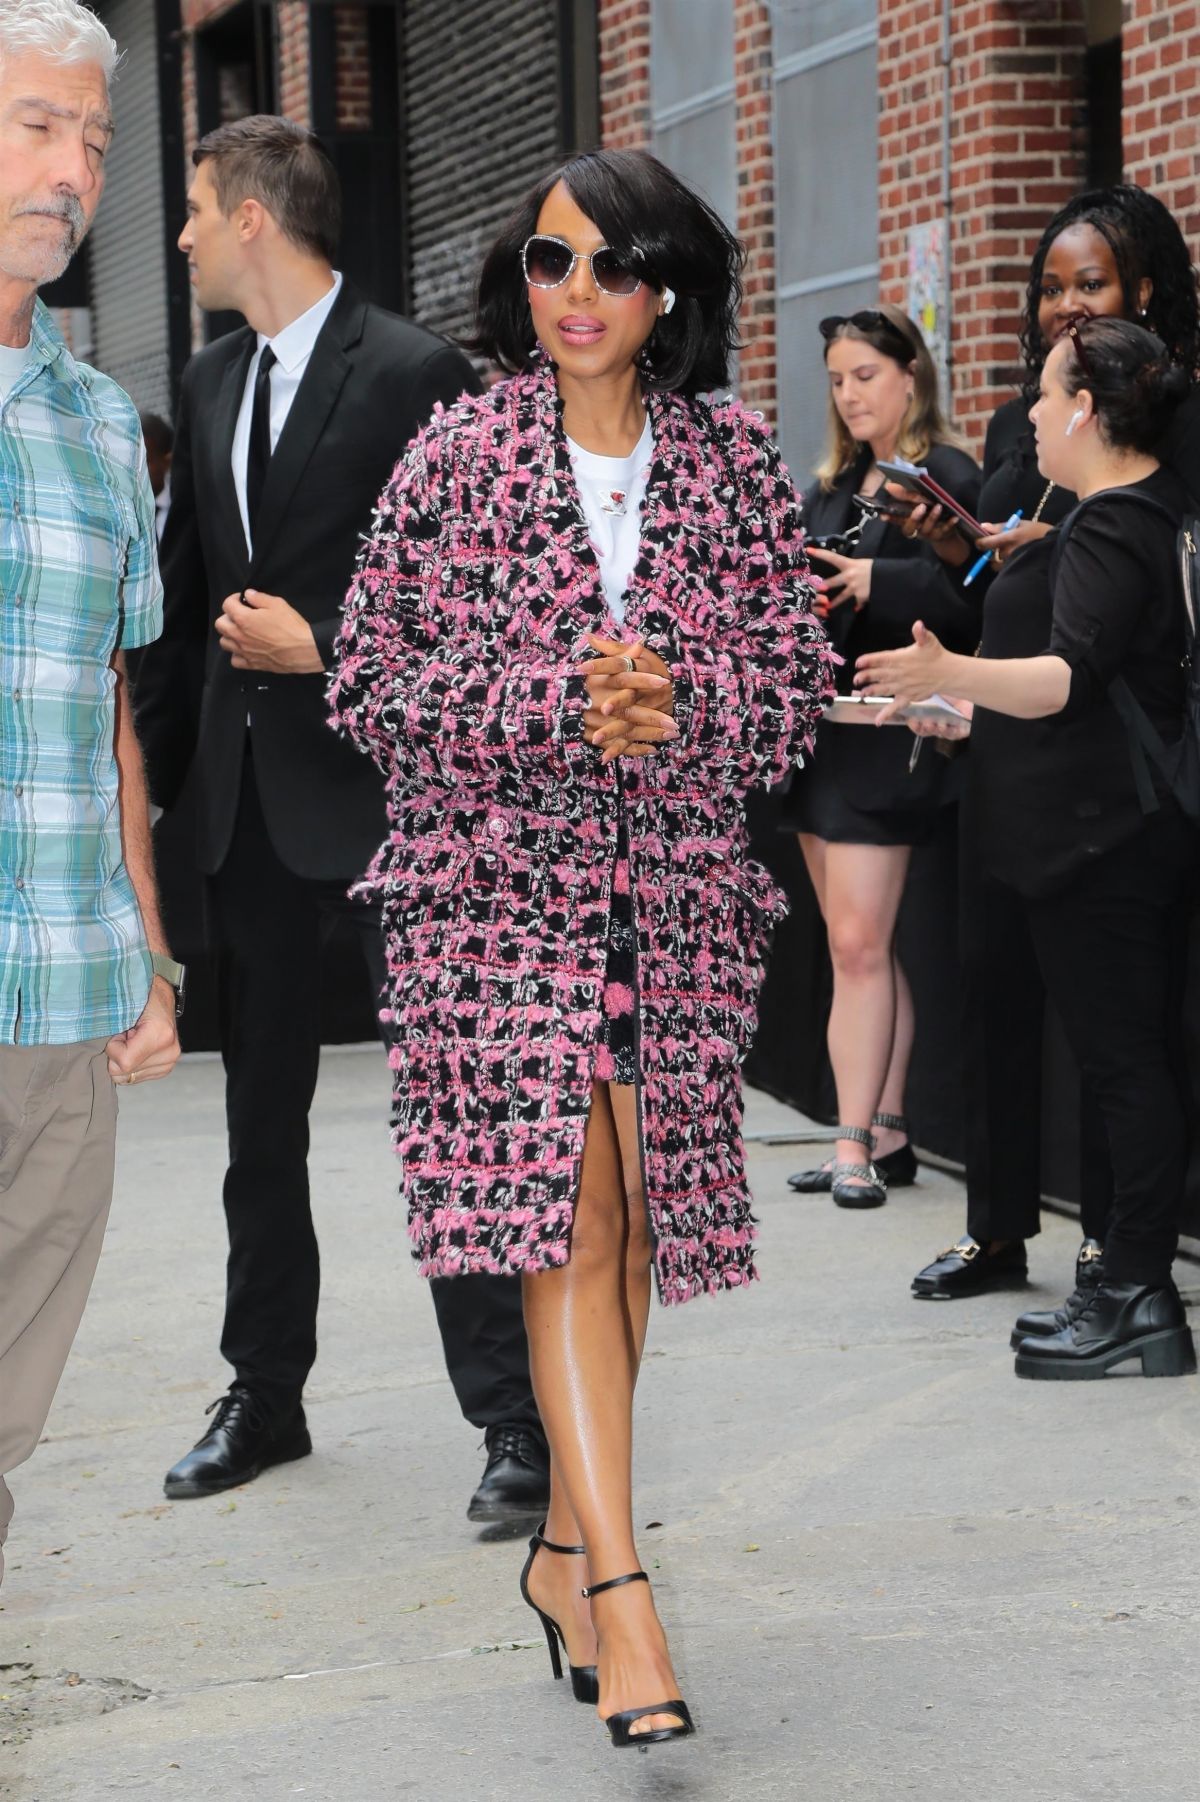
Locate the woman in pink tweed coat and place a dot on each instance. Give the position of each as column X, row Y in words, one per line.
column 579, row 632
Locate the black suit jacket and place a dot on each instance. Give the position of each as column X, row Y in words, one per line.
column 370, row 385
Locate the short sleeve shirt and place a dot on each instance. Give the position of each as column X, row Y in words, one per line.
column 78, row 582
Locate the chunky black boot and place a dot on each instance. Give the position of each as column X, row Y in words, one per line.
column 1119, row 1321
column 1089, row 1274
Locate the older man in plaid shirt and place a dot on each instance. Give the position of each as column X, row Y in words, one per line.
column 88, row 994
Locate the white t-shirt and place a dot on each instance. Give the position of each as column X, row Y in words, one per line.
column 612, row 490
column 12, row 362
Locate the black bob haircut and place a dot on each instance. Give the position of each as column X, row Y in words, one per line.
column 650, row 218
column 1145, row 241
column 1132, row 378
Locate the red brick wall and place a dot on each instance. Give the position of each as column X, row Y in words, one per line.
column 752, row 75
column 294, row 91
column 1016, row 154
column 1160, row 55
column 624, row 74
column 353, row 71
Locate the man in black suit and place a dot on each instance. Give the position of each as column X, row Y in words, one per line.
column 287, row 433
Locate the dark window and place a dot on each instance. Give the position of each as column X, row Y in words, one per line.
column 1105, row 152
column 356, row 87
column 235, row 75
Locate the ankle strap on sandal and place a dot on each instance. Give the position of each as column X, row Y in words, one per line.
column 548, row 1545
column 596, row 1589
column 897, row 1123
column 861, row 1135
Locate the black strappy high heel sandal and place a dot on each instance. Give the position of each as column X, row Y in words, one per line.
column 619, row 1724
column 585, row 1684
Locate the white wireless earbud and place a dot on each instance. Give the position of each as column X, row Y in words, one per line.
column 668, row 299
column 1076, row 416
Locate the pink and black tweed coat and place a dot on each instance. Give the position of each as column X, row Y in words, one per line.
column 456, row 669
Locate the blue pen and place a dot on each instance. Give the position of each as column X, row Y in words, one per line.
column 987, row 555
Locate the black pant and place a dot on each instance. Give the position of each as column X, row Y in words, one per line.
column 270, row 927
column 1004, row 999
column 1112, row 950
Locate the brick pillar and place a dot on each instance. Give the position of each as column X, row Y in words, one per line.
column 1160, row 58
column 753, row 88
column 1016, row 132
column 625, row 74
column 295, row 95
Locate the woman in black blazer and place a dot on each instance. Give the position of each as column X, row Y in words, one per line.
column 1103, row 870
column 1112, row 252
column 863, row 803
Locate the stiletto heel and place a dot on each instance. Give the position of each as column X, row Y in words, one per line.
column 619, row 1724
column 585, row 1683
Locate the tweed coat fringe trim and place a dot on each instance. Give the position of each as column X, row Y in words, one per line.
column 455, row 669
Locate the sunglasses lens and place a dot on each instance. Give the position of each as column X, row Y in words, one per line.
column 547, row 263
column 613, row 275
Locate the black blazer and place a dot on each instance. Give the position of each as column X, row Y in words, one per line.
column 370, row 385
column 908, row 581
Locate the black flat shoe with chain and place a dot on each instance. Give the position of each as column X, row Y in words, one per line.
column 585, row 1684
column 620, row 1725
column 858, row 1185
column 897, row 1168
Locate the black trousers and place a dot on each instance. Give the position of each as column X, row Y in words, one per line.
column 1113, row 953
column 270, row 927
column 1004, row 1004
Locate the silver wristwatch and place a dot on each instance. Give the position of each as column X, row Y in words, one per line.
column 175, row 974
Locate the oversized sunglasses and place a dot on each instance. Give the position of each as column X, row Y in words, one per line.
column 549, row 262
column 869, row 320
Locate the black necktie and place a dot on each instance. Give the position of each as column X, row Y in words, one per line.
column 259, row 454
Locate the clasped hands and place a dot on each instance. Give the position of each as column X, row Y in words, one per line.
column 265, row 632
column 629, row 710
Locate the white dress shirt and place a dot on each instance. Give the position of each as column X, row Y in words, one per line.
column 293, row 347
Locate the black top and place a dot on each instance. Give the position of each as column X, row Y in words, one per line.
column 908, row 581
column 1047, row 796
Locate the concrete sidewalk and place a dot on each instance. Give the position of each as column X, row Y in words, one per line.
column 889, row 1568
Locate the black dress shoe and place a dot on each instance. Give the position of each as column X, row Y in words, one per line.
column 516, row 1479
column 1119, row 1321
column 969, row 1268
column 1089, row 1274
column 243, row 1440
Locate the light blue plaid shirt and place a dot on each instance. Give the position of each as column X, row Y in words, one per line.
column 78, row 581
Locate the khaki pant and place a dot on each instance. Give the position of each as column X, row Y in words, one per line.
column 58, row 1117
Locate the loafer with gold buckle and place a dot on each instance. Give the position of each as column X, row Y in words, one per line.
column 969, row 1268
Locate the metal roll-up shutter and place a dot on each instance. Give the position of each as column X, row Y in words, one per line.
column 482, row 123
column 130, row 329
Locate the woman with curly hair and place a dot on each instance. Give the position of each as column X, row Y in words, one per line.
column 580, row 631
column 1109, row 253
